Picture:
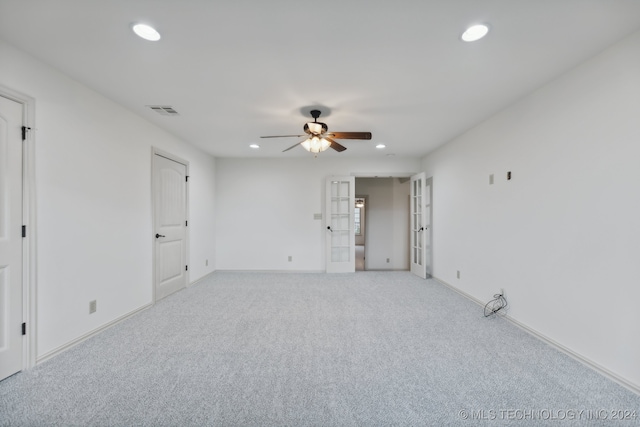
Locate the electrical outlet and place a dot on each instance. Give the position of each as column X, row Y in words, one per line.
column 491, row 179
column 93, row 306
column 458, row 274
column 388, row 260
column 206, row 262
column 290, row 258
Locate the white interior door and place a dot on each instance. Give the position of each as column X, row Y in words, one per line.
column 421, row 225
column 428, row 227
column 340, row 232
column 170, row 221
column 11, row 345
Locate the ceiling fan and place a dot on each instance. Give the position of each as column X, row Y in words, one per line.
column 318, row 137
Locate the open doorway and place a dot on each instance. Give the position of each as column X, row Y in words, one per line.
column 360, row 227
column 384, row 223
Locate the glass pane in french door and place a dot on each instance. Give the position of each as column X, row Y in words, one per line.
column 340, row 221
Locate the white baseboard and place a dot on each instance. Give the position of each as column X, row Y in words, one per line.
column 201, row 278
column 593, row 365
column 96, row 331
column 306, row 271
column 582, row 359
column 88, row 335
column 272, row 271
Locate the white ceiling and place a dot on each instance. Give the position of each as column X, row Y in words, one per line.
column 239, row 69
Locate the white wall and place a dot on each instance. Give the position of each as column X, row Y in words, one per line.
column 93, row 183
column 265, row 208
column 387, row 222
column 562, row 237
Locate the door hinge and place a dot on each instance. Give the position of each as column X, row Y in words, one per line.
column 24, row 329
column 186, row 178
column 186, row 268
column 186, row 223
column 24, row 132
column 24, row 231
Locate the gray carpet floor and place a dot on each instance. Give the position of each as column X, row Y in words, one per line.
column 269, row 349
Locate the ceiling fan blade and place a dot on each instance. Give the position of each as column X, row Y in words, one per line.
column 282, row 136
column 334, row 144
column 293, row 146
column 350, row 135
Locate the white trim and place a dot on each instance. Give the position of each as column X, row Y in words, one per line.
column 102, row 328
column 29, row 271
column 273, row 271
column 170, row 156
column 428, row 183
column 90, row 334
column 585, row 361
column 206, row 276
column 158, row 152
column 383, row 174
column 418, row 268
column 363, row 226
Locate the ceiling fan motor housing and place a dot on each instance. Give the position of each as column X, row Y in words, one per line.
column 315, row 128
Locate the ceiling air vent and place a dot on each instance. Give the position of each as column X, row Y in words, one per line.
column 164, row 110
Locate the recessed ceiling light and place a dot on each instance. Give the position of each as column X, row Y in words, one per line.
column 475, row 32
column 254, row 146
column 380, row 146
column 146, row 32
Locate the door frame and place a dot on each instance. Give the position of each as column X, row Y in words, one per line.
column 408, row 176
column 331, row 266
column 29, row 272
column 158, row 152
column 428, row 259
column 426, row 256
column 363, row 220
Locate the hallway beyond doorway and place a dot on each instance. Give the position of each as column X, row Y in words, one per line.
column 359, row 257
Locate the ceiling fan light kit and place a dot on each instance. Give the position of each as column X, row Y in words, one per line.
column 315, row 144
column 319, row 138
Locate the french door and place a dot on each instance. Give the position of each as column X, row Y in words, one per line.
column 11, row 340
column 421, row 210
column 340, row 232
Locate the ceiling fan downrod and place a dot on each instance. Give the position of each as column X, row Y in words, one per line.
column 315, row 114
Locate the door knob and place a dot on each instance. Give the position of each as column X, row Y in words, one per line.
column 159, row 235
